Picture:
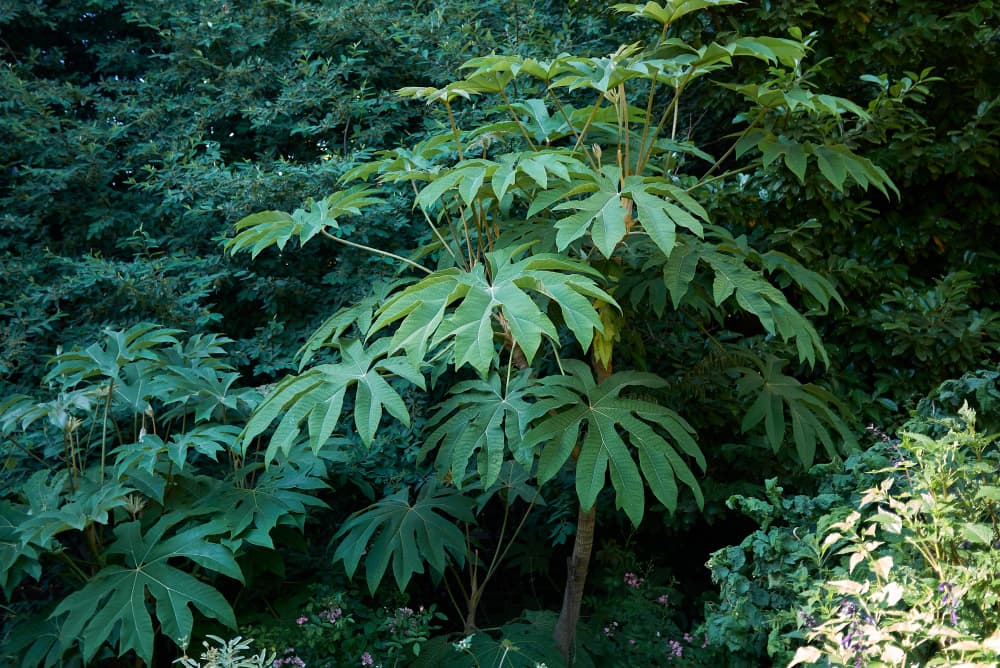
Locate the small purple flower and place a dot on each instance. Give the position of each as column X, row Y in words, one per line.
column 289, row 660
column 331, row 615
column 676, row 649
column 633, row 580
column 367, row 660
column 663, row 599
column 949, row 600
column 301, row 620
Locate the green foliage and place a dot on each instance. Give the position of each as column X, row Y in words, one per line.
column 917, row 574
column 913, row 268
column 116, row 595
column 483, row 415
column 120, row 496
column 525, row 642
column 405, row 533
column 496, row 290
column 317, row 395
column 229, row 654
column 575, row 405
column 604, row 256
column 568, row 190
column 332, row 626
column 893, row 561
column 808, row 407
column 639, row 621
column 979, row 389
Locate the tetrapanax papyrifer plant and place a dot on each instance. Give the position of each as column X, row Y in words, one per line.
column 557, row 229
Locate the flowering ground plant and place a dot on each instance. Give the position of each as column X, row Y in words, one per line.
column 338, row 628
column 918, row 581
column 641, row 620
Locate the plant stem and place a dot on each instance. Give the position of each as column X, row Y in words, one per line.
column 732, row 147
column 104, row 426
column 406, row 261
column 576, row 577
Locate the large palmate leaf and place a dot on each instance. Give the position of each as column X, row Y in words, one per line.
column 17, row 557
column 357, row 317
column 276, row 228
column 56, row 506
column 660, row 208
column 316, row 397
column 107, row 359
column 467, row 309
column 406, row 534
column 33, row 640
column 484, row 416
column 609, row 422
column 733, row 278
column 113, row 604
column 280, row 494
column 835, row 161
column 807, row 405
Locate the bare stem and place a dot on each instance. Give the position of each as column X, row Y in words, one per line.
column 377, row 251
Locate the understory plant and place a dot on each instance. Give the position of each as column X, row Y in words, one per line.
column 564, row 227
column 917, row 570
column 893, row 562
column 336, row 627
column 125, row 507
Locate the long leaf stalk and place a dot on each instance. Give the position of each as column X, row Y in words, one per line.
column 594, row 164
column 377, row 251
column 590, row 119
column 73, row 566
column 104, row 426
column 434, row 229
column 732, row 147
column 468, row 235
column 669, row 112
column 646, row 120
column 517, row 119
column 454, row 129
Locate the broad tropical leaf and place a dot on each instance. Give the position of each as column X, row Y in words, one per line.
column 316, row 397
column 807, row 405
column 58, row 507
column 756, row 295
column 462, row 308
column 280, row 494
column 107, row 360
column 113, row 604
column 575, row 406
column 17, row 557
column 275, row 228
column 406, row 534
column 484, row 416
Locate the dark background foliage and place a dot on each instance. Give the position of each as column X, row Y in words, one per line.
column 134, row 134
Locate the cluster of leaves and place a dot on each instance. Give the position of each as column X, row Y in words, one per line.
column 229, row 654
column 175, row 119
column 124, row 498
column 616, row 263
column 559, row 223
column 918, row 564
column 760, row 578
column 925, row 67
column 893, row 561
